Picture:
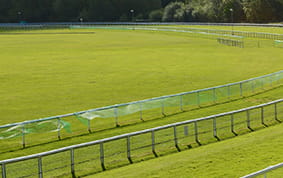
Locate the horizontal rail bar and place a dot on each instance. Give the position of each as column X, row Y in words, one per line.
column 133, row 134
column 228, row 31
column 263, row 171
column 194, row 30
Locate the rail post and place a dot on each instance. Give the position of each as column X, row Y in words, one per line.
column 72, row 154
column 181, row 103
column 196, row 133
column 232, row 125
column 262, row 82
column 176, row 138
column 229, row 92
column 129, row 149
column 40, row 173
column 153, row 143
column 88, row 126
column 141, row 112
column 23, row 136
column 214, row 95
column 102, row 157
column 116, row 116
column 215, row 129
column 275, row 113
column 59, row 128
column 248, row 120
column 262, row 117
column 198, row 99
column 241, row 89
column 162, row 108
column 3, row 170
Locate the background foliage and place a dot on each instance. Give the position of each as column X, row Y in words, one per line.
column 143, row 10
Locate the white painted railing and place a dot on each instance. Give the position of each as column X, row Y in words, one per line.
column 128, row 148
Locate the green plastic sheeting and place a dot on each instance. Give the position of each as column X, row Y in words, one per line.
column 192, row 99
column 278, row 43
column 36, row 127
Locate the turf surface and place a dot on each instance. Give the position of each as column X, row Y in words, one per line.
column 49, row 74
column 44, row 75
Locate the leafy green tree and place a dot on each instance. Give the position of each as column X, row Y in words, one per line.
column 156, row 15
column 125, row 10
column 203, row 10
column 29, row 10
column 66, row 10
column 232, row 11
column 217, row 10
column 99, row 10
column 176, row 12
column 112, row 10
column 263, row 10
column 164, row 3
column 5, row 6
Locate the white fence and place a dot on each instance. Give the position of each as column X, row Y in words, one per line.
column 159, row 106
column 95, row 156
column 31, row 26
column 264, row 172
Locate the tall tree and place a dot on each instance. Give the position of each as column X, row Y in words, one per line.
column 203, row 10
column 177, row 11
column 66, row 10
column 263, row 10
column 232, row 11
column 115, row 10
column 31, row 10
column 164, row 3
column 5, row 6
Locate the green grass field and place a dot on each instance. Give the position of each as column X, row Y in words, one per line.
column 49, row 74
column 45, row 75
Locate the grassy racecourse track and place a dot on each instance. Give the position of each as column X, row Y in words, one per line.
column 51, row 72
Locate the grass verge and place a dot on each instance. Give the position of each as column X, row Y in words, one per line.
column 230, row 158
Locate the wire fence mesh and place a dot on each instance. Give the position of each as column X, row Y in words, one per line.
column 231, row 32
column 93, row 157
column 197, row 98
column 57, row 127
column 229, row 42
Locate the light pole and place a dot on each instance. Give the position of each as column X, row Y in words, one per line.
column 81, row 20
column 232, row 20
column 19, row 16
column 132, row 14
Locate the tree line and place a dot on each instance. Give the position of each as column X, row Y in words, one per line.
column 141, row 10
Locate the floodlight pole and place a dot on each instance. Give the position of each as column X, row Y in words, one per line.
column 81, row 20
column 232, row 20
column 19, row 16
column 132, row 14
